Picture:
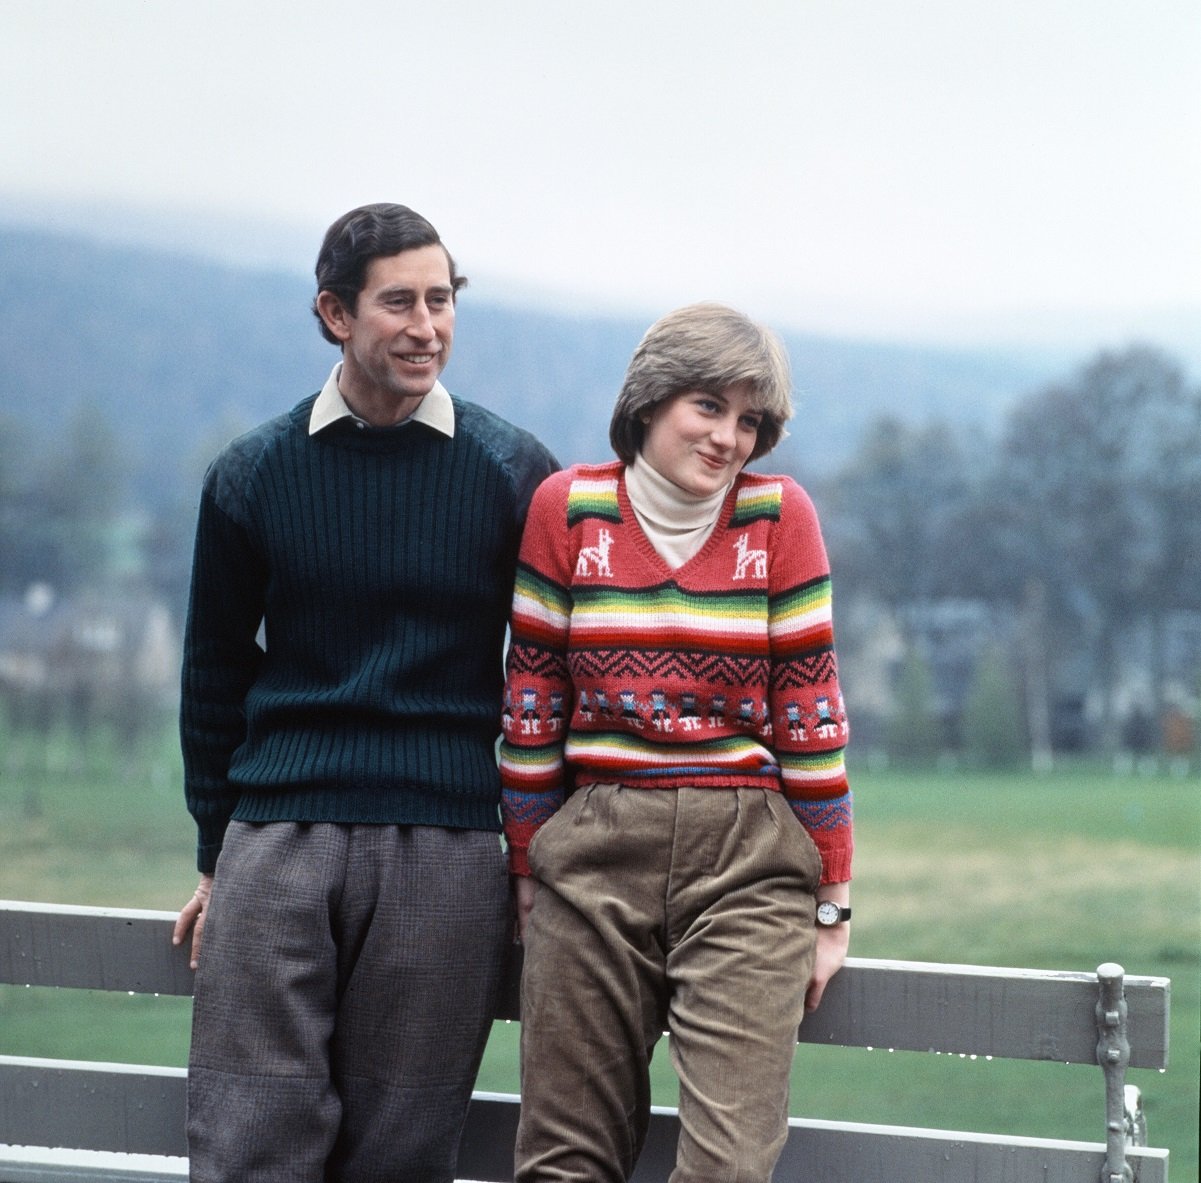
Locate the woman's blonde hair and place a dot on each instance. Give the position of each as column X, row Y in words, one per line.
column 707, row 347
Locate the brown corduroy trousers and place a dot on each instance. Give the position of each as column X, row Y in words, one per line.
column 347, row 984
column 689, row 910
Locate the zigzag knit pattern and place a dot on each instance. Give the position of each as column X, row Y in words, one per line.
column 719, row 674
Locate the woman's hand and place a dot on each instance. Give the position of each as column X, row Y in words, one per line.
column 832, row 945
column 524, row 890
column 192, row 916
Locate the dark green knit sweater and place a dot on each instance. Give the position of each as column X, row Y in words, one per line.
column 380, row 562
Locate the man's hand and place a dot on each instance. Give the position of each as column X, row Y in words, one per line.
column 524, row 890
column 192, row 916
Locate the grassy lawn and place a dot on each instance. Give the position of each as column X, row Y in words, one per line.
column 1064, row 871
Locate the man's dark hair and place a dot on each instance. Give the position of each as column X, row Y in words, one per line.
column 370, row 232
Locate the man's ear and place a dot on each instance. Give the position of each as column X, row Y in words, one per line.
column 333, row 312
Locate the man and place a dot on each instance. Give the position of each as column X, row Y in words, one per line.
column 349, row 940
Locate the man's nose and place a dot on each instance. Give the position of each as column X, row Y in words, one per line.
column 421, row 323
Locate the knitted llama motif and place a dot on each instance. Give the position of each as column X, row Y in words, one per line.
column 756, row 559
column 597, row 555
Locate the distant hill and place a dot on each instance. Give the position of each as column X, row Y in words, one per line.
column 183, row 351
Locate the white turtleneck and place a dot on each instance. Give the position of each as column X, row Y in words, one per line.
column 677, row 523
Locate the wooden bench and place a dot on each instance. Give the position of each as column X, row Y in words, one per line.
column 77, row 1121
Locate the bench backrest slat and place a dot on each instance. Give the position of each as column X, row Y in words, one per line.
column 908, row 1006
column 116, row 1107
column 837, row 1152
column 91, row 948
column 140, row 1111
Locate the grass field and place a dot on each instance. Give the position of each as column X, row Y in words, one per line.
column 1063, row 871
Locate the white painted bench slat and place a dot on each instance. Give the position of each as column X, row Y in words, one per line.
column 839, row 1152
column 1018, row 1014
column 832, row 1152
column 39, row 1164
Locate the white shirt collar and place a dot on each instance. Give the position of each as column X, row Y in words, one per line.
column 435, row 410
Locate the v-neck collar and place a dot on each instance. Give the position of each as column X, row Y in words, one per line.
column 646, row 548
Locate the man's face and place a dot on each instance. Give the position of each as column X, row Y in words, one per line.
column 398, row 339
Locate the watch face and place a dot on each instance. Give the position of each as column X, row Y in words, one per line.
column 828, row 913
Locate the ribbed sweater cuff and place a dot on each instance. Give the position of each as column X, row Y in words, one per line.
column 519, row 862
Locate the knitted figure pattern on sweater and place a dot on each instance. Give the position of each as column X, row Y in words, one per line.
column 721, row 673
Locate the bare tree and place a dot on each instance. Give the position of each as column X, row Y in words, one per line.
column 892, row 508
column 1104, row 474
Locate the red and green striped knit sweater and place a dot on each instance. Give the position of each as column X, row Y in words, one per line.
column 720, row 673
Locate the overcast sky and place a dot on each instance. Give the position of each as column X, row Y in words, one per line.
column 941, row 169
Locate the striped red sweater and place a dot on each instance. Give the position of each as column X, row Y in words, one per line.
column 720, row 673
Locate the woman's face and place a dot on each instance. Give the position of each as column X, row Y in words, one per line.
column 700, row 441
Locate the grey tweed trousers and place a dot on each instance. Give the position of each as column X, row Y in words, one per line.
column 346, row 987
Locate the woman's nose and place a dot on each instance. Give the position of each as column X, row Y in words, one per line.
column 723, row 432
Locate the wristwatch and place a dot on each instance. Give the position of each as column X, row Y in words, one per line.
column 829, row 914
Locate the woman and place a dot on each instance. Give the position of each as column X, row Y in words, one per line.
column 675, row 799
